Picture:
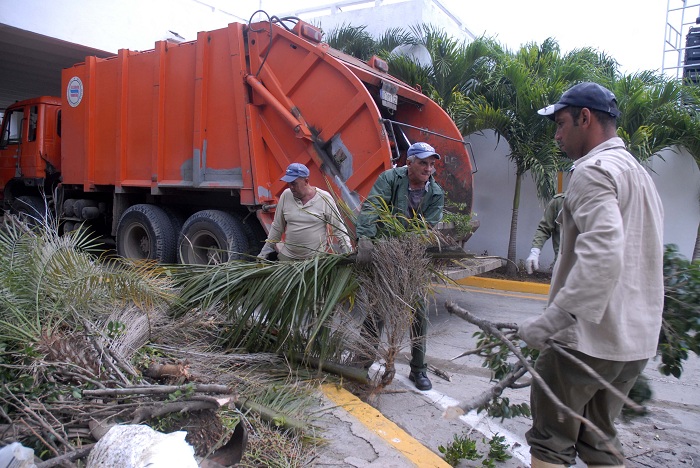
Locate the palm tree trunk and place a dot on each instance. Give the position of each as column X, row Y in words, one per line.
column 696, row 252
column 512, row 268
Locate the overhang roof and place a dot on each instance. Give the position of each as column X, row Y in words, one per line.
column 31, row 64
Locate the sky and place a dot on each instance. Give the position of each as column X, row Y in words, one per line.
column 631, row 31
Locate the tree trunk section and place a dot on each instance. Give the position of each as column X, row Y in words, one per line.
column 696, row 252
column 512, row 267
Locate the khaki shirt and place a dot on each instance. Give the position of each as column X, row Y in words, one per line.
column 610, row 269
column 304, row 226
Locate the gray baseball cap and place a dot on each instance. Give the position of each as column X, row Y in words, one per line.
column 588, row 94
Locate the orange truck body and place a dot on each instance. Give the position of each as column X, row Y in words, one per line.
column 210, row 125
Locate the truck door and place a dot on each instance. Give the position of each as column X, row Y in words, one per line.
column 19, row 144
column 10, row 144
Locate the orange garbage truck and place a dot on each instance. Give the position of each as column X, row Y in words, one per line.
column 175, row 153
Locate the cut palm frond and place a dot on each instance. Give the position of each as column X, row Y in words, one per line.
column 46, row 276
column 285, row 306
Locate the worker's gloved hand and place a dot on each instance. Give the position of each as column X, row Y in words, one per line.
column 365, row 247
column 533, row 261
column 535, row 331
column 267, row 249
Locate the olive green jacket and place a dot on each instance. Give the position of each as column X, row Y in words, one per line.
column 392, row 187
column 548, row 226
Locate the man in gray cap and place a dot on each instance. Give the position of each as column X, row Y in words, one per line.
column 606, row 297
column 410, row 191
column 304, row 215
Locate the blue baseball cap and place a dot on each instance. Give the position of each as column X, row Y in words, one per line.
column 294, row 171
column 422, row 150
column 588, row 94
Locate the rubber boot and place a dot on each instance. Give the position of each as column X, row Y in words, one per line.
column 537, row 463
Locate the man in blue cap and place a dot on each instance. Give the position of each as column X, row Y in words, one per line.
column 304, row 215
column 606, row 297
column 410, row 191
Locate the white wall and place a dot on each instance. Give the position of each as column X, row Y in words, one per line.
column 676, row 176
column 380, row 15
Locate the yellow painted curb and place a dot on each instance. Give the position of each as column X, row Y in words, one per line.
column 505, row 285
column 413, row 450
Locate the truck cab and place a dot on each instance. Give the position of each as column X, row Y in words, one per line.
column 30, row 149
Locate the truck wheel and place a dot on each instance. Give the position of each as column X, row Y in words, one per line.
column 254, row 234
column 30, row 209
column 145, row 232
column 211, row 237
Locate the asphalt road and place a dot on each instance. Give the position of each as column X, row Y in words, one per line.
column 666, row 436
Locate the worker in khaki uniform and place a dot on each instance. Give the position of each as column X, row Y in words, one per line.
column 548, row 227
column 307, row 216
column 606, row 297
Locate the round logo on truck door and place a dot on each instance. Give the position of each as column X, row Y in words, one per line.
column 74, row 93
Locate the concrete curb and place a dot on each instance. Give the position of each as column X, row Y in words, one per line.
column 505, row 285
column 387, row 430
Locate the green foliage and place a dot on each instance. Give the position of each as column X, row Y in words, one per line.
column 462, row 447
column 457, row 214
column 640, row 393
column 498, row 448
column 681, row 319
column 500, row 407
column 115, row 329
column 50, row 280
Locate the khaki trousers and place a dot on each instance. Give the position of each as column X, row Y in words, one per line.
column 556, row 438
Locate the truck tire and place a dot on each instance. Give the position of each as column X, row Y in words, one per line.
column 145, row 232
column 254, row 233
column 30, row 209
column 211, row 237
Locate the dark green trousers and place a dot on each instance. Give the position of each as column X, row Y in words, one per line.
column 557, row 438
column 372, row 330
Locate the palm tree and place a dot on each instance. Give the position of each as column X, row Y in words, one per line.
column 658, row 113
column 507, row 102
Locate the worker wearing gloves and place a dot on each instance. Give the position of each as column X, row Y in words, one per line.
column 410, row 191
column 307, row 216
column 606, row 297
column 548, row 227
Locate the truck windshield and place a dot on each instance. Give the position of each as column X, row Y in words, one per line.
column 11, row 128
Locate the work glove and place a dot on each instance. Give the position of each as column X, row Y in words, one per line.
column 533, row 261
column 365, row 247
column 267, row 249
column 535, row 331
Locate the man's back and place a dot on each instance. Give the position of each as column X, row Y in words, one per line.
column 610, row 271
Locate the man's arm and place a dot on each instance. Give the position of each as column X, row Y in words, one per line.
column 277, row 228
column 545, row 230
column 367, row 219
column 547, row 225
column 337, row 225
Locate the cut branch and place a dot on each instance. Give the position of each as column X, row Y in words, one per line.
column 488, row 327
column 157, row 390
column 481, row 400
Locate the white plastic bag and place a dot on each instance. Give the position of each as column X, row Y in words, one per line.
column 139, row 446
column 16, row 455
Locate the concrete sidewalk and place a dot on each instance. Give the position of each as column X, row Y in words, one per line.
column 361, row 436
column 404, row 427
